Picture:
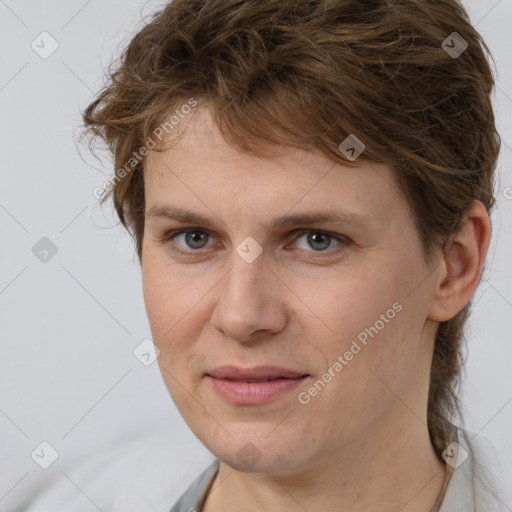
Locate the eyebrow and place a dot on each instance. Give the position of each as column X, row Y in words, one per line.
column 184, row 216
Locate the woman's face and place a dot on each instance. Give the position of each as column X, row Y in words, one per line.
column 344, row 302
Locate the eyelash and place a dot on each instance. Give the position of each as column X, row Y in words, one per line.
column 344, row 241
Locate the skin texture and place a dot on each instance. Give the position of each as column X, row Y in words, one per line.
column 361, row 443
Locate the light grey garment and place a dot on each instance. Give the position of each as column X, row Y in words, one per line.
column 475, row 483
column 193, row 498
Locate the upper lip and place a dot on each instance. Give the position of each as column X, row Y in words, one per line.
column 257, row 372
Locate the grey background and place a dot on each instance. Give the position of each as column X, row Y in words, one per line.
column 68, row 375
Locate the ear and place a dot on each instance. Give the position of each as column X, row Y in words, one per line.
column 462, row 263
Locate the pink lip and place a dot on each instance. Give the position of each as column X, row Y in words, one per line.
column 253, row 393
column 228, row 382
column 257, row 372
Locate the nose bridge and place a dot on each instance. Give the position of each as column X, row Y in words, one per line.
column 244, row 286
column 246, row 304
column 247, row 270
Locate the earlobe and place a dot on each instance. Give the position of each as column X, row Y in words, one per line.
column 461, row 265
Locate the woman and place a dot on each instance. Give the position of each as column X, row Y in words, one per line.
column 308, row 185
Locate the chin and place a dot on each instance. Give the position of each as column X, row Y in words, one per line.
column 258, row 455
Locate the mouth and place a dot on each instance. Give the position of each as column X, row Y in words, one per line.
column 261, row 380
column 255, row 391
column 265, row 373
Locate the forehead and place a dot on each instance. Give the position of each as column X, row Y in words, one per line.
column 201, row 169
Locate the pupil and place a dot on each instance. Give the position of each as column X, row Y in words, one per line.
column 313, row 239
column 194, row 236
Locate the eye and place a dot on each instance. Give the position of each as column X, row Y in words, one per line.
column 320, row 241
column 194, row 239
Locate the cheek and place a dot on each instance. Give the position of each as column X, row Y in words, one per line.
column 164, row 308
column 177, row 310
column 352, row 306
column 370, row 323
column 170, row 298
column 367, row 376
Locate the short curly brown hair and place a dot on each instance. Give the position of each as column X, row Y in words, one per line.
column 308, row 74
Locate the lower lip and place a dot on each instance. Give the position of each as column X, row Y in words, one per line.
column 253, row 393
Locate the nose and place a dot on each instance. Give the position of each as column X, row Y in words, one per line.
column 249, row 305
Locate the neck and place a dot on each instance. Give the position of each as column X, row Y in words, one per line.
column 390, row 466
